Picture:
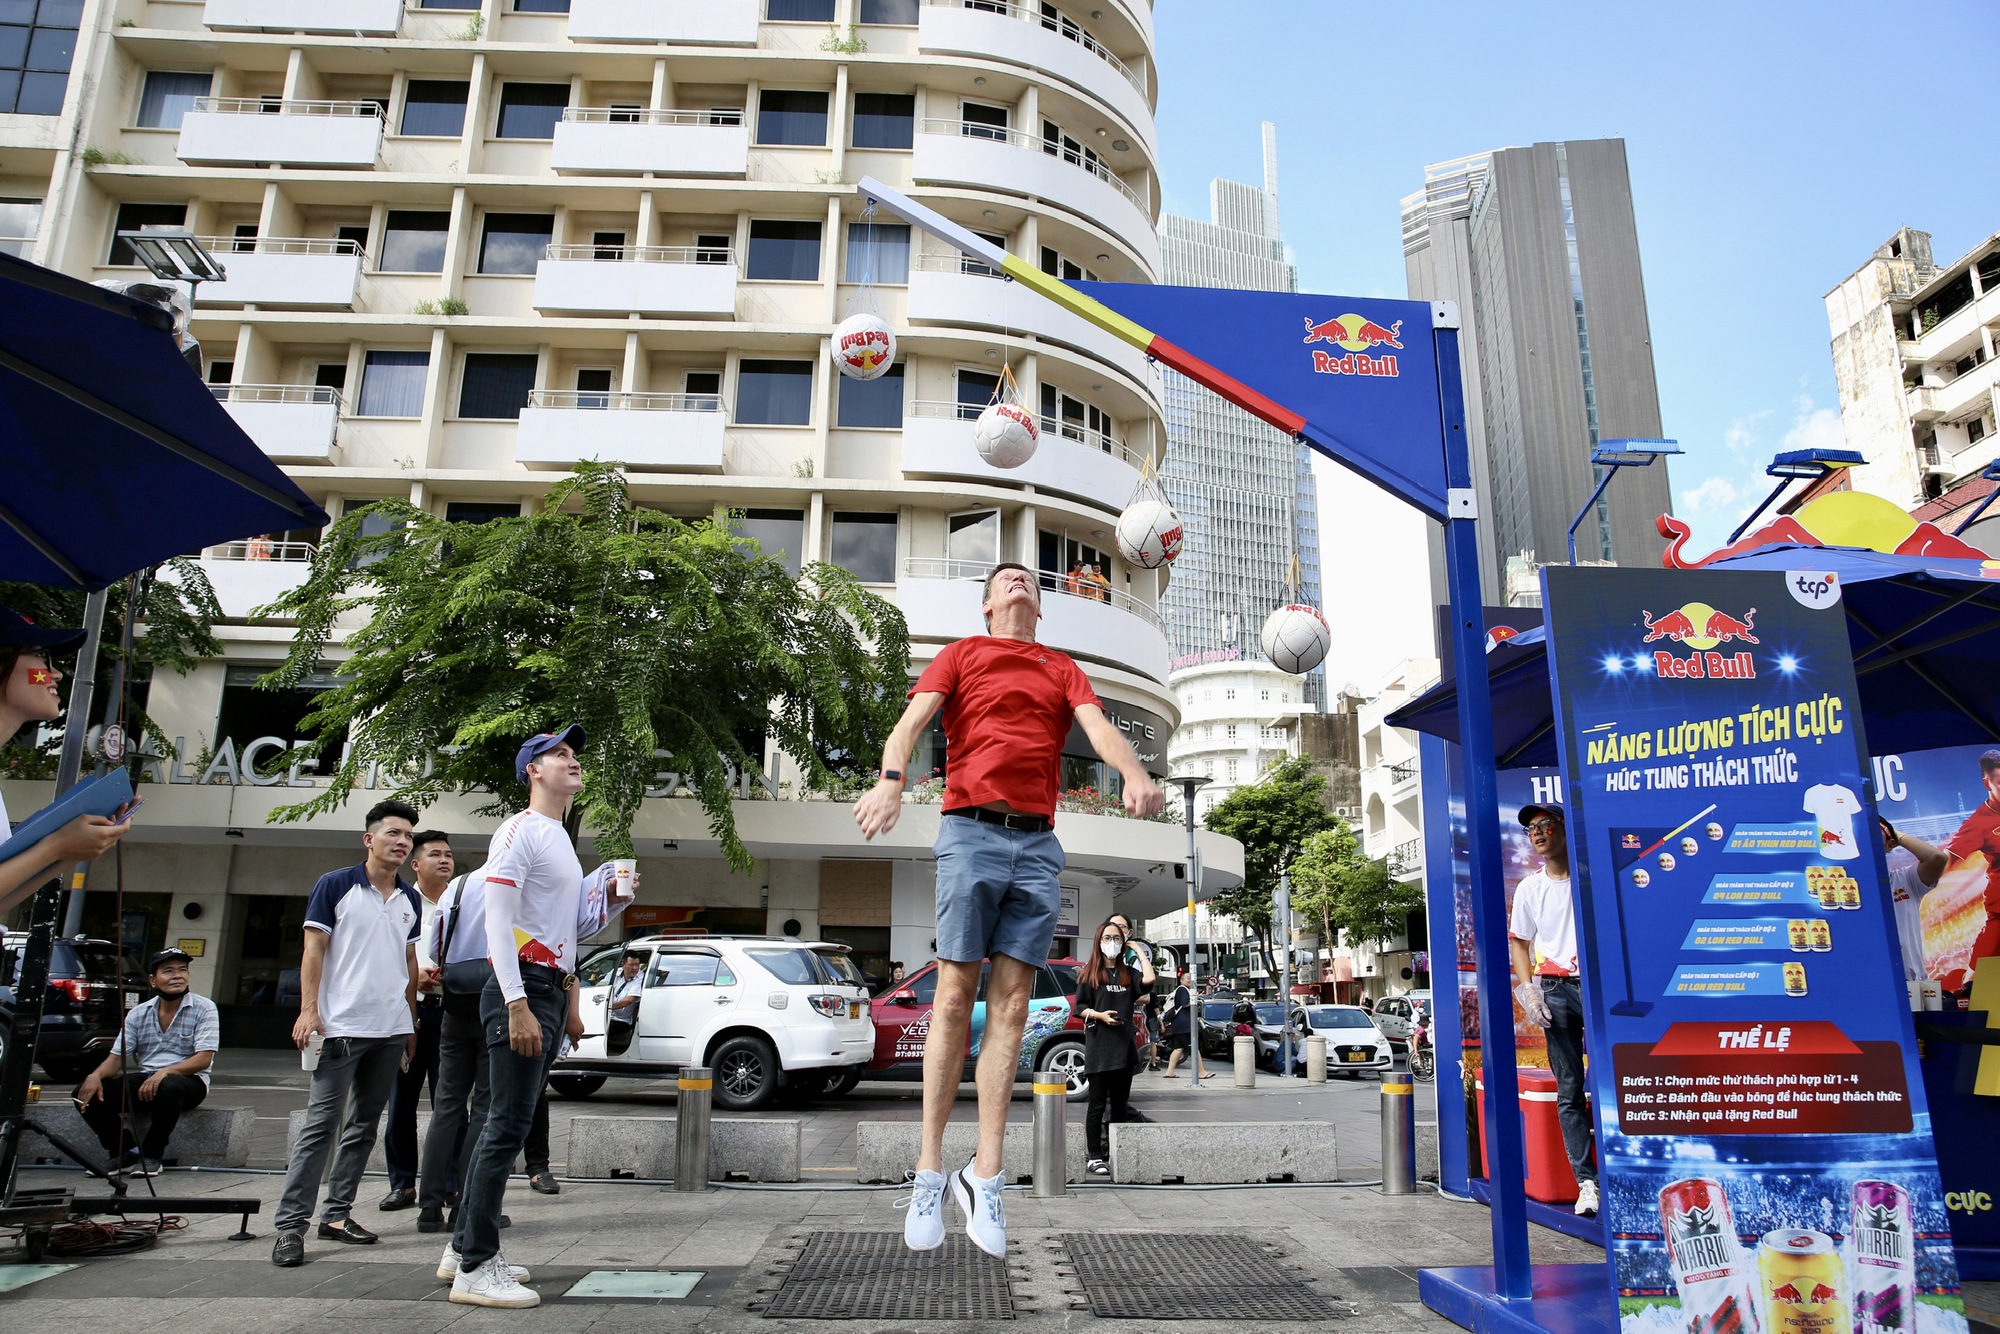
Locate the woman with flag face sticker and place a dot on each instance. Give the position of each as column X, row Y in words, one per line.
column 28, row 693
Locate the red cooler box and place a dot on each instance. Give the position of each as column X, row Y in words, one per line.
column 1549, row 1177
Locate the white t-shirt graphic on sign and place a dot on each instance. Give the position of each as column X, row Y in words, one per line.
column 1835, row 808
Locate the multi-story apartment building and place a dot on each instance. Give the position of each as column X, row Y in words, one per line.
column 1392, row 821
column 1245, row 488
column 1913, row 356
column 472, row 242
column 1540, row 248
column 1237, row 720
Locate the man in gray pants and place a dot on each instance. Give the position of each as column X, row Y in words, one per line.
column 357, row 1003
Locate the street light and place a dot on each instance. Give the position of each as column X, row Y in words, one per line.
column 175, row 257
column 1990, row 473
column 1189, row 784
column 1794, row 464
column 1611, row 455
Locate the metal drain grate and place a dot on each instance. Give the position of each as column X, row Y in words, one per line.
column 874, row 1276
column 1170, row 1276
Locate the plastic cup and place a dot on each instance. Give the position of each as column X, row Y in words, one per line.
column 309, row 1054
column 625, row 877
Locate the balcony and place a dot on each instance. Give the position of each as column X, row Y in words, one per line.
column 292, row 423
column 644, row 432
column 1406, row 858
column 626, row 141
column 984, row 157
column 1054, row 45
column 940, row 600
column 1402, row 774
column 683, row 22
column 645, row 280
column 937, row 442
column 251, row 131
column 297, row 272
column 247, row 575
column 373, row 18
column 945, row 289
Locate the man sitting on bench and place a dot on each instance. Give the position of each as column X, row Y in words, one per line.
column 172, row 1039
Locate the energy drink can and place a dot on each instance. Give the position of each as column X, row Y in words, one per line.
column 1820, row 935
column 1850, row 892
column 1800, row 1280
column 1798, row 934
column 1795, row 979
column 1716, row 1279
column 1881, row 1254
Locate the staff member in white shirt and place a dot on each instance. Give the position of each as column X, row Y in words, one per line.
column 432, row 861
column 537, row 902
column 1542, row 946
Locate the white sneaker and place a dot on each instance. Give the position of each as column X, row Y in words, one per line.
column 985, row 1215
column 492, row 1284
column 448, row 1266
column 923, row 1226
column 1586, row 1199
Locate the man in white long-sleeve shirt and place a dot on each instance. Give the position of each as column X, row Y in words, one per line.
column 537, row 904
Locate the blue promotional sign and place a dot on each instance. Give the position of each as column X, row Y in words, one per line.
column 1765, row 1143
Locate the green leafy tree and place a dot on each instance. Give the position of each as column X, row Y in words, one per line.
column 1318, row 874
column 655, row 633
column 1373, row 906
column 1272, row 818
column 177, row 609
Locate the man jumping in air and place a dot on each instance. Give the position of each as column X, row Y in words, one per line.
column 1007, row 703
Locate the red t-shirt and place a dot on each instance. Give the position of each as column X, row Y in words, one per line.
column 1007, row 710
column 1981, row 833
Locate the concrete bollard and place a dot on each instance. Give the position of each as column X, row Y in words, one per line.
column 1399, row 1134
column 1051, row 1139
column 691, row 1128
column 1316, row 1059
column 1246, row 1063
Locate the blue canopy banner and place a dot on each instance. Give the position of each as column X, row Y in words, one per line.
column 1765, row 1140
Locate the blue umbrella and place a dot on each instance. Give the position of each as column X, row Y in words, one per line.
column 114, row 456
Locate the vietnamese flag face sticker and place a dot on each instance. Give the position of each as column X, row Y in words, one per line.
column 40, row 676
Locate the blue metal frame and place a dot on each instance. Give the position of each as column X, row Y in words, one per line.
column 1434, row 761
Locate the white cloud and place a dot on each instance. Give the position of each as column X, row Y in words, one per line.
column 1711, row 493
column 1814, row 428
column 1742, row 435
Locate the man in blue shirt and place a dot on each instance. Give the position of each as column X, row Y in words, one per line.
column 357, row 999
column 172, row 1039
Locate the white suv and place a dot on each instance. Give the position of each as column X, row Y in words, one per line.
column 760, row 1011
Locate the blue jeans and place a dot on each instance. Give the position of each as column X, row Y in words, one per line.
column 514, row 1086
column 1564, row 997
column 996, row 891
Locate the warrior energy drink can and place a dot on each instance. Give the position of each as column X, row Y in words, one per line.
column 1881, row 1256
column 1716, row 1280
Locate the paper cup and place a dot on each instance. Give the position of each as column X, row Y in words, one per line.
column 624, row 877
column 1933, row 994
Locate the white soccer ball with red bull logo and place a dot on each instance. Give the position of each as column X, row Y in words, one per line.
column 1296, row 638
column 1005, row 435
column 864, row 346
column 1149, row 534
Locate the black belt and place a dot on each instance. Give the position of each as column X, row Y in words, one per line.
column 555, row 977
column 1547, row 978
column 427, row 1001
column 1030, row 824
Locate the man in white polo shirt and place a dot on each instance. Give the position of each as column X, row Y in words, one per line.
column 1542, row 944
column 358, row 994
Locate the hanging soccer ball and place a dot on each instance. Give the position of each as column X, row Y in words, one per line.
column 864, row 347
column 1005, row 435
column 1296, row 638
column 1149, row 534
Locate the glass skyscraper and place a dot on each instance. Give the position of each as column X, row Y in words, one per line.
column 1244, row 488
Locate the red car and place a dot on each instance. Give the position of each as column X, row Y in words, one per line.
column 1051, row 1044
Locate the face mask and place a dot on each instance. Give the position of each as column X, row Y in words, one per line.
column 1111, row 949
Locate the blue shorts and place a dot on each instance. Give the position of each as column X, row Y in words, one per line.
column 997, row 891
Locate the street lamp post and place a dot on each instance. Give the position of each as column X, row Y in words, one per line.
column 1787, row 467
column 1189, row 784
column 1611, row 455
column 175, row 257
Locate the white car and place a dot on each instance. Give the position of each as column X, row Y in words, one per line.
column 1353, row 1042
column 759, row 1011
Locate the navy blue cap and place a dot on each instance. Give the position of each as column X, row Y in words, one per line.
column 537, row 746
column 1530, row 811
column 17, row 631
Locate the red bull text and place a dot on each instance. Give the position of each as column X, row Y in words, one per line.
column 1881, row 1251
column 1357, row 336
column 1715, row 1279
column 1801, row 1280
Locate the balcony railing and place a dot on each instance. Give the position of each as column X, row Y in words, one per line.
column 1060, row 24
column 280, row 245
column 931, row 568
column 1050, row 426
column 653, row 116
column 275, row 106
column 277, row 393
column 955, row 263
column 1022, row 139
column 264, row 548
column 1402, row 773
column 1405, row 855
column 640, row 254
column 620, row 401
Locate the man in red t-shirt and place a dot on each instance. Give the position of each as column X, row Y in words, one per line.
column 1007, row 703
column 1981, row 833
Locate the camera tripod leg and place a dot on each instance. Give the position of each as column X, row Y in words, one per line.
column 83, row 1159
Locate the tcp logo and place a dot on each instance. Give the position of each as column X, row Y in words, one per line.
column 1817, row 589
column 1967, row 1201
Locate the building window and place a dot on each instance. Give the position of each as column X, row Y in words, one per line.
column 496, row 385
column 166, row 98
column 774, row 393
column 702, row 391
column 1230, row 732
column 1232, row 770
column 972, row 540
column 435, row 108
column 783, row 251
column 799, row 11
column 791, row 117
column 37, row 43
column 248, row 711
column 515, row 242
column 973, row 390
column 712, row 247
column 481, row 511
column 414, row 242
column 871, row 403
column 865, row 546
column 20, row 219
column 1264, row 696
column 392, row 384
column 884, row 120
column 531, row 110
column 980, row 121
column 139, row 218
column 448, row 4
column 541, row 6
column 372, row 525
column 878, row 252
column 900, row 13
column 779, row 534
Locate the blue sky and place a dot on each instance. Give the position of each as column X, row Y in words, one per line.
column 1773, row 145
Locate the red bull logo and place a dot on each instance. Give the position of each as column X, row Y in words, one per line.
column 1703, row 628
column 1841, row 519
column 1357, row 335
column 1789, row 1294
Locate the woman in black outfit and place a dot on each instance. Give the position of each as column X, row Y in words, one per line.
column 1107, row 989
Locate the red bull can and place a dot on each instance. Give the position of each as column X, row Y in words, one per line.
column 1716, row 1280
column 1820, row 934
column 1799, row 935
column 1795, row 979
column 1800, row 1279
column 1881, row 1255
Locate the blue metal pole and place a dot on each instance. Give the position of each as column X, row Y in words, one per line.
column 1506, row 1172
column 1603, row 480
column 1763, row 505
